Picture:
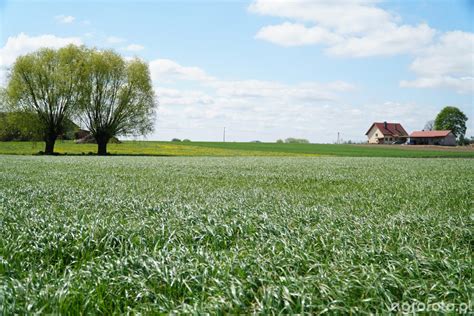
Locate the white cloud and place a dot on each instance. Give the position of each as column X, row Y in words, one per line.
column 461, row 85
column 439, row 58
column 65, row 19
column 345, row 28
column 134, row 48
column 176, row 97
column 23, row 44
column 389, row 41
column 249, row 106
column 449, row 63
column 166, row 70
column 270, row 117
column 196, row 105
column 340, row 16
column 359, row 28
column 169, row 71
column 114, row 40
column 296, row 34
column 303, row 93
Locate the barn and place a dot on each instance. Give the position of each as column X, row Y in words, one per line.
column 442, row 138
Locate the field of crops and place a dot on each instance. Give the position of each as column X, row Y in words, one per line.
column 220, row 149
column 239, row 234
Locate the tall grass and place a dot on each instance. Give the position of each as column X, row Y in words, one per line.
column 233, row 235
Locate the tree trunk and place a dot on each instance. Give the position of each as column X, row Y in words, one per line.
column 101, row 148
column 102, row 138
column 102, row 141
column 49, row 148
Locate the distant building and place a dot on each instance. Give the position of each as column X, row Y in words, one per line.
column 81, row 133
column 443, row 138
column 386, row 133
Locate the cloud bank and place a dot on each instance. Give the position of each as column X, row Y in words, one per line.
column 359, row 28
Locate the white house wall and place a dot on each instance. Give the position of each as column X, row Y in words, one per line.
column 373, row 138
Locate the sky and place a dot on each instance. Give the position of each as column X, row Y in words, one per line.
column 271, row 69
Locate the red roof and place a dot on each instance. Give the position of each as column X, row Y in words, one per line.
column 430, row 134
column 390, row 129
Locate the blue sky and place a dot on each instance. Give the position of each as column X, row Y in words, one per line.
column 269, row 69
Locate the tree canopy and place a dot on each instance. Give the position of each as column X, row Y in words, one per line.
column 451, row 118
column 118, row 97
column 48, row 82
column 107, row 94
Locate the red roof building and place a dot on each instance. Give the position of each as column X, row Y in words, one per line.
column 443, row 138
column 429, row 134
column 386, row 133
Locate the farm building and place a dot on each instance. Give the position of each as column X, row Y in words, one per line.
column 443, row 138
column 386, row 133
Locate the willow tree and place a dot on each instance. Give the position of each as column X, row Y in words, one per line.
column 48, row 83
column 118, row 98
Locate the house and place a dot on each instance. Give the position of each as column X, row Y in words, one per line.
column 443, row 138
column 81, row 133
column 386, row 133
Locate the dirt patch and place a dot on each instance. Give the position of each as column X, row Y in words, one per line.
column 423, row 147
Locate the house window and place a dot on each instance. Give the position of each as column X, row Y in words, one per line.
column 376, row 134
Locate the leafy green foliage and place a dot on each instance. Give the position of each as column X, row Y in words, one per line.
column 451, row 118
column 46, row 82
column 4, row 100
column 26, row 126
column 232, row 235
column 110, row 96
column 20, row 126
column 292, row 140
column 118, row 97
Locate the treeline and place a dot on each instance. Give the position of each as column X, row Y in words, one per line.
column 25, row 126
column 177, row 140
column 292, row 140
column 49, row 89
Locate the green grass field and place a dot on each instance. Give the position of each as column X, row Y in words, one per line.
column 116, row 235
column 155, row 148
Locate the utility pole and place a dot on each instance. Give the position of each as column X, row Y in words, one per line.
column 338, row 137
column 223, row 136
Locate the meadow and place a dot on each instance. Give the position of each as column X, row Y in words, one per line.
column 104, row 235
column 221, row 149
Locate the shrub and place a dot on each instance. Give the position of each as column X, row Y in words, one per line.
column 292, row 140
column 25, row 126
